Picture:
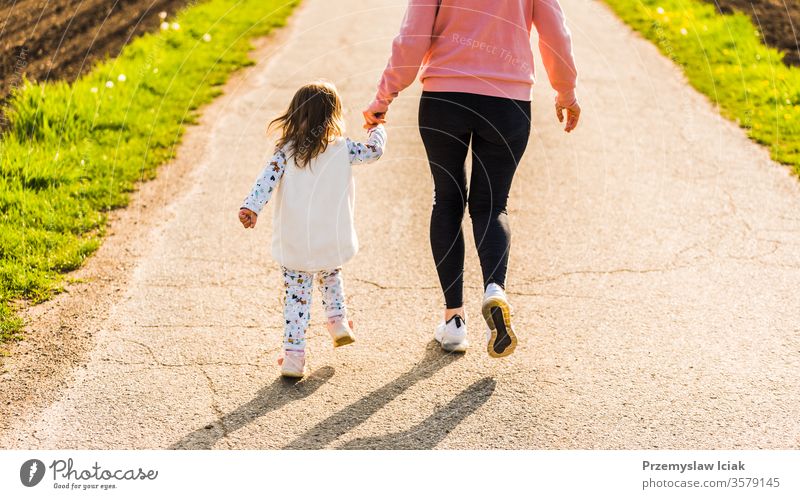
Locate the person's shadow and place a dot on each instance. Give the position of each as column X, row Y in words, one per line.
column 426, row 434
column 421, row 436
column 436, row 427
column 270, row 398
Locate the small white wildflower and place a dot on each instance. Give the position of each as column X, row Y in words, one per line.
column 206, row 37
column 756, row 32
column 109, row 84
column 162, row 15
column 164, row 26
column 93, row 90
column 83, row 162
column 155, row 70
column 176, row 26
column 122, row 77
column 660, row 10
column 684, row 32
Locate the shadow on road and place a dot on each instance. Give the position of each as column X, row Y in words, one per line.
column 436, row 427
column 338, row 424
column 270, row 398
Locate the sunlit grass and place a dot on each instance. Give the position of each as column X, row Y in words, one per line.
column 724, row 57
column 72, row 152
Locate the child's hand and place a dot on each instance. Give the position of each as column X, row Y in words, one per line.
column 248, row 218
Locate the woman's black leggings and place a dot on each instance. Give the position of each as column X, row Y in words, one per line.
column 498, row 129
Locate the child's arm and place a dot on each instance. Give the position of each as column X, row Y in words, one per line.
column 262, row 189
column 372, row 150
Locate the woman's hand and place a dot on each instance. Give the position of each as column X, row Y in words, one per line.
column 375, row 114
column 248, row 218
column 372, row 118
column 573, row 114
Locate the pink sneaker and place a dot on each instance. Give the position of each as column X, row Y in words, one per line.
column 293, row 363
column 341, row 332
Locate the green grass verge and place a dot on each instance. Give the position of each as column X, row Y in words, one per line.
column 72, row 152
column 723, row 56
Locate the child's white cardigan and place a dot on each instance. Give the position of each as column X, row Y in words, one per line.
column 313, row 224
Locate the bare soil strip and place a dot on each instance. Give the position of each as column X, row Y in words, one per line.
column 60, row 39
column 779, row 21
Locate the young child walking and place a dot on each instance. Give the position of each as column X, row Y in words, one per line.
column 313, row 234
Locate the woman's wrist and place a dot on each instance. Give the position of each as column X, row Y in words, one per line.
column 566, row 98
column 378, row 106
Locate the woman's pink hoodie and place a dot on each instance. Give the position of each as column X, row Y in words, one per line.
column 481, row 47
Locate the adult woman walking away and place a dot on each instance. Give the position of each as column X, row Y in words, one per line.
column 477, row 74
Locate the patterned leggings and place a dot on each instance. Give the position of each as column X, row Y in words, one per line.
column 297, row 302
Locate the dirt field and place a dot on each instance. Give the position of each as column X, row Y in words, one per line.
column 779, row 21
column 60, row 39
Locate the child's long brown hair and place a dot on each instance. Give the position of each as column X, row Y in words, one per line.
column 313, row 119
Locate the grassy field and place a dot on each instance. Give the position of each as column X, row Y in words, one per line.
column 72, row 152
column 724, row 57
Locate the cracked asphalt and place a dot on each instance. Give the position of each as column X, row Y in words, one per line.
column 654, row 271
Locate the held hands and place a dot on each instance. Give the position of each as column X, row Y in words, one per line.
column 248, row 218
column 573, row 114
column 372, row 119
column 374, row 114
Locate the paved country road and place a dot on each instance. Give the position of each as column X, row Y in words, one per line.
column 654, row 271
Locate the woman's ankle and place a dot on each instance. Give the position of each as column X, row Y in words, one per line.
column 452, row 312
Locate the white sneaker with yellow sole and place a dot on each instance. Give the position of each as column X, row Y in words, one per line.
column 501, row 340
